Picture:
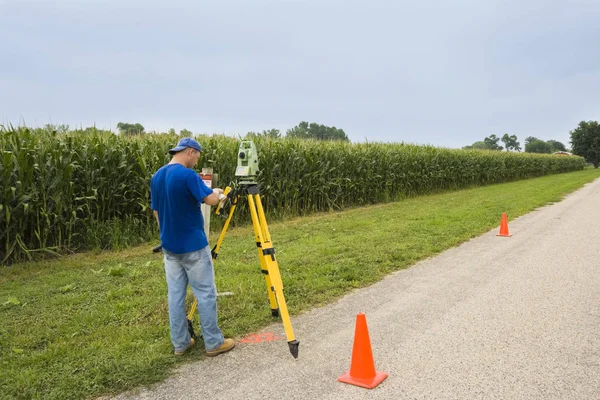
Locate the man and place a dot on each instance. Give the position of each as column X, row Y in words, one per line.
column 176, row 194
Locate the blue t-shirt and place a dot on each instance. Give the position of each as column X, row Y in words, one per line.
column 176, row 193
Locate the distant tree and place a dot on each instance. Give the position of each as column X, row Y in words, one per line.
column 172, row 131
column 510, row 142
column 130, row 129
column 558, row 146
column 480, row 145
column 304, row 130
column 272, row 133
column 538, row 146
column 491, row 142
column 184, row 132
column 93, row 130
column 530, row 139
column 477, row 145
column 535, row 145
column 300, row 131
column 63, row 128
column 585, row 141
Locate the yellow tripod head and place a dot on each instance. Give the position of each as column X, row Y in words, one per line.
column 221, row 205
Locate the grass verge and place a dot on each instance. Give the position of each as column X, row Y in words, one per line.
column 93, row 324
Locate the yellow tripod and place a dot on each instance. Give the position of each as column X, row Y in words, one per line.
column 266, row 255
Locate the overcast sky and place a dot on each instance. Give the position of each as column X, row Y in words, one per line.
column 445, row 72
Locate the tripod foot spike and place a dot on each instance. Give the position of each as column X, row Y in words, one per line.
column 275, row 312
column 294, row 347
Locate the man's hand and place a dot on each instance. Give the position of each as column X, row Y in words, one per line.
column 157, row 221
column 214, row 198
column 221, row 194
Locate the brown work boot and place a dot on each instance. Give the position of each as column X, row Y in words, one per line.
column 182, row 352
column 227, row 345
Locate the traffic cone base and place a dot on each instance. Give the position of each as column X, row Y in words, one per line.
column 362, row 368
column 366, row 383
column 504, row 227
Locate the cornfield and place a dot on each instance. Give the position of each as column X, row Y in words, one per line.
column 90, row 189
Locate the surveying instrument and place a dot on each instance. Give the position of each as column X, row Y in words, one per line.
column 246, row 172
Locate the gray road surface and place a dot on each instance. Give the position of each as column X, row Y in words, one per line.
column 495, row 318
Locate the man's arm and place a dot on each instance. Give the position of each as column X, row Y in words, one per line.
column 156, row 215
column 203, row 193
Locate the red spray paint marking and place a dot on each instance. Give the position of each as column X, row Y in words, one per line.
column 260, row 337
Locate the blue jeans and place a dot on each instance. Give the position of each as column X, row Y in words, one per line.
column 195, row 268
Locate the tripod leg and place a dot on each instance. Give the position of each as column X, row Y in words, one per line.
column 277, row 288
column 268, row 260
column 263, row 266
column 215, row 250
column 191, row 317
column 265, row 271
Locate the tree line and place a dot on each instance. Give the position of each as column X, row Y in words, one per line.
column 532, row 144
column 585, row 138
column 585, row 142
column 303, row 130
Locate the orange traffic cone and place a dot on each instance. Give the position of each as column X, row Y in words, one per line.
column 362, row 368
column 504, row 226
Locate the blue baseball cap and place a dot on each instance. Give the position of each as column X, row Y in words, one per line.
column 186, row 142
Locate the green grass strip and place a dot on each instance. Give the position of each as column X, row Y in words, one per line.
column 93, row 324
